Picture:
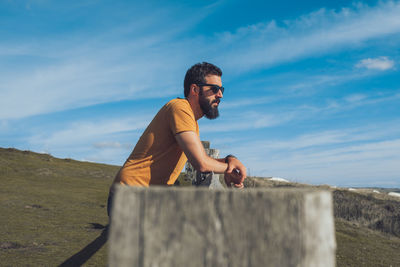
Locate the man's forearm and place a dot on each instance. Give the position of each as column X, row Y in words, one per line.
column 213, row 165
column 224, row 161
column 194, row 151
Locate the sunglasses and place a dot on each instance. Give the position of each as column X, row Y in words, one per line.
column 214, row 88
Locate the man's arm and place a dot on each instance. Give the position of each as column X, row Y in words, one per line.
column 194, row 151
column 190, row 143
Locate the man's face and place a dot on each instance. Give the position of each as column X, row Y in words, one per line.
column 209, row 100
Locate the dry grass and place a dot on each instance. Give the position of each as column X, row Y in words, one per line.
column 360, row 246
column 367, row 224
column 53, row 208
column 366, row 210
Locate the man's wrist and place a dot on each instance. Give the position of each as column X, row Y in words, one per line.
column 229, row 156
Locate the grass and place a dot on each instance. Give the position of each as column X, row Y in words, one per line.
column 360, row 246
column 53, row 208
column 367, row 224
column 368, row 211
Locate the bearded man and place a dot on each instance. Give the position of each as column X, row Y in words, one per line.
column 172, row 137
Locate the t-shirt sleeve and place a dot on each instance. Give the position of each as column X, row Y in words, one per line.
column 182, row 119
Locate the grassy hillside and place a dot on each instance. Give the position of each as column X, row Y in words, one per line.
column 53, row 209
column 376, row 211
column 50, row 208
column 367, row 224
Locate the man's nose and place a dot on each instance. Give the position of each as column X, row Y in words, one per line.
column 219, row 94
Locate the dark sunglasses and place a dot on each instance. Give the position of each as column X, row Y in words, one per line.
column 215, row 88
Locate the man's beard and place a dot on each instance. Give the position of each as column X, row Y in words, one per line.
column 209, row 111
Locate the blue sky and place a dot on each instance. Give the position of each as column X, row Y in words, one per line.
column 312, row 87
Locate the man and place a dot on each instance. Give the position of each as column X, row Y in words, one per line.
column 172, row 137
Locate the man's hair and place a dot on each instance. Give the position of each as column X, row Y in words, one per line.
column 197, row 74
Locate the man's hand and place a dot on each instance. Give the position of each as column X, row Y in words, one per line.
column 235, row 173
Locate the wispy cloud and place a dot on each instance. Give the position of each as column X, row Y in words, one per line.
column 88, row 132
column 247, row 101
column 235, row 120
column 103, row 145
column 239, row 122
column 350, row 162
column 329, row 138
column 108, row 140
column 355, row 98
column 328, row 156
column 82, row 80
column 128, row 61
column 271, row 43
column 81, row 71
column 3, row 125
column 380, row 63
column 282, row 119
column 295, row 86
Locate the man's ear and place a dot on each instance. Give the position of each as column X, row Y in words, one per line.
column 194, row 89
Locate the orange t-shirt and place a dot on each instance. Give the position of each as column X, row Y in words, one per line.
column 157, row 158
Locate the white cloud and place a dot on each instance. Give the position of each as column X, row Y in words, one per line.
column 108, row 141
column 115, row 156
column 3, row 125
column 355, row 98
column 246, row 102
column 131, row 61
column 82, row 81
column 238, row 122
column 111, row 144
column 331, row 138
column 365, row 156
column 374, row 160
column 380, row 63
column 88, row 132
column 346, row 103
column 235, row 120
column 295, row 86
column 267, row 44
column 122, row 63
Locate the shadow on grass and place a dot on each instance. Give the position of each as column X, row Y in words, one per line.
column 87, row 252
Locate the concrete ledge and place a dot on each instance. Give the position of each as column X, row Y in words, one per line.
column 201, row 227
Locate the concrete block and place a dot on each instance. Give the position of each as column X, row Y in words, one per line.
column 200, row 227
column 206, row 144
column 205, row 179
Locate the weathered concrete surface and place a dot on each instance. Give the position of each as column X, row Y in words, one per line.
column 205, row 179
column 200, row 227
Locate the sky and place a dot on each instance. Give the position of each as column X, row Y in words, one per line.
column 312, row 88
